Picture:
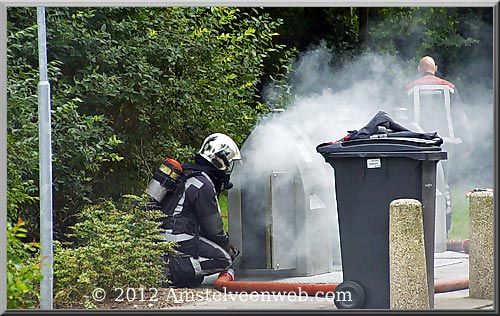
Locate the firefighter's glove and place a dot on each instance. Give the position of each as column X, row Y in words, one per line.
column 234, row 253
column 151, row 205
column 232, row 250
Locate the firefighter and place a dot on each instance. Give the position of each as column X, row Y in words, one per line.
column 451, row 124
column 203, row 247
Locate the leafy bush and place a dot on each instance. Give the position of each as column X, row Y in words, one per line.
column 23, row 268
column 115, row 246
column 165, row 77
column 81, row 143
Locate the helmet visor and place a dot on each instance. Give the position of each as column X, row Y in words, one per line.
column 231, row 165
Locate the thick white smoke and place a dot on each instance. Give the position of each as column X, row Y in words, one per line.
column 329, row 102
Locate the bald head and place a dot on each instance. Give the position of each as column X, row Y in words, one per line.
column 427, row 64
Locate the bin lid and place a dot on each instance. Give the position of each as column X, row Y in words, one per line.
column 415, row 148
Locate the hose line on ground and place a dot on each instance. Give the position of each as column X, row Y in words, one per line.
column 225, row 282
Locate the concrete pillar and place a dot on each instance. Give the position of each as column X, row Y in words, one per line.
column 481, row 245
column 407, row 264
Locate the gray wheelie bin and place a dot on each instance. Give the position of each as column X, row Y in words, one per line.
column 369, row 175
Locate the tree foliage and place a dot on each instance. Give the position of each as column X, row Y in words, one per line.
column 165, row 78
column 304, row 27
column 417, row 31
column 80, row 142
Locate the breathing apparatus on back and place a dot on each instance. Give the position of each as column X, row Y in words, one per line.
column 218, row 151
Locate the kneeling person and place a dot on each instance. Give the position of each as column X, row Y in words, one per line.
column 196, row 224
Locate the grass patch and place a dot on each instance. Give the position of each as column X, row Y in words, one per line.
column 223, row 208
column 460, row 214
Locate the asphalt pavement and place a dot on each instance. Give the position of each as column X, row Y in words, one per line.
column 447, row 266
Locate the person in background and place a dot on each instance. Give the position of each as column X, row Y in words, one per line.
column 434, row 117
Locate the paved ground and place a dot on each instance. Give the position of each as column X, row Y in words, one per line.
column 447, row 265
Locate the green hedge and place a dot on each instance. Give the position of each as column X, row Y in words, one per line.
column 116, row 246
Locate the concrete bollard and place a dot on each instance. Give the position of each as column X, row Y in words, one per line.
column 408, row 270
column 481, row 262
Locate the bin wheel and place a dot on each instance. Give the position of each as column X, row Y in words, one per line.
column 356, row 299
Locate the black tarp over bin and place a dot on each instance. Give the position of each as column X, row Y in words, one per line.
column 374, row 166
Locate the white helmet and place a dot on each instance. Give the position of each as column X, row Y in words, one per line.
column 221, row 151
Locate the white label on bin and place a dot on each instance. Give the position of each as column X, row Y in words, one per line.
column 373, row 163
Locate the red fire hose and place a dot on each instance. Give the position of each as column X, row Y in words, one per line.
column 458, row 246
column 442, row 286
column 226, row 282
